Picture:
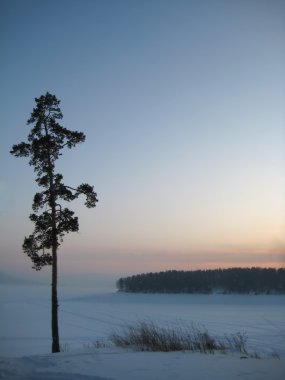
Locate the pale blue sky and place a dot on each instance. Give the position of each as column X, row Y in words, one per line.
column 182, row 103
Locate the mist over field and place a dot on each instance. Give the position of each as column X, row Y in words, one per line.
column 88, row 317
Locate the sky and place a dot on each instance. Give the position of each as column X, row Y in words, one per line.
column 182, row 104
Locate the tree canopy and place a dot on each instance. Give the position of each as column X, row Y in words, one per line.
column 46, row 141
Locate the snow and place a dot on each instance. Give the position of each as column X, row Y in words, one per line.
column 86, row 319
column 130, row 365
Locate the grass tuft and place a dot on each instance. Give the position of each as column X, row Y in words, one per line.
column 237, row 342
column 147, row 336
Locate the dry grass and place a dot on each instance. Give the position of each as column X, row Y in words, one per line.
column 237, row 341
column 147, row 336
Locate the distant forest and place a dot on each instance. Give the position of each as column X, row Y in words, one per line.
column 227, row 281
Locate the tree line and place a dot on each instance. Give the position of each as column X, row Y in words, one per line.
column 232, row 280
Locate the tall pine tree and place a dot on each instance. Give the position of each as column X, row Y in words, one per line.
column 52, row 220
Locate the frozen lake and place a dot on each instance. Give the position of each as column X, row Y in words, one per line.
column 86, row 318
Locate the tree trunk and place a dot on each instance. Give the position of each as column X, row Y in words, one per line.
column 54, row 302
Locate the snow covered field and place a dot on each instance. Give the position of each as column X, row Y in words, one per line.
column 86, row 319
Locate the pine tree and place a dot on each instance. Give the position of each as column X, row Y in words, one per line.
column 52, row 220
